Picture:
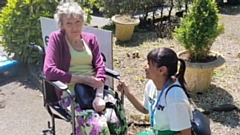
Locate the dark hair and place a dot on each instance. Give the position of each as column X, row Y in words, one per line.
column 167, row 57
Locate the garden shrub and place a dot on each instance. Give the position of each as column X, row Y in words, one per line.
column 151, row 13
column 20, row 25
column 112, row 7
column 88, row 6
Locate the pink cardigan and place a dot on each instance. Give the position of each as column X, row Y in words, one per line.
column 57, row 59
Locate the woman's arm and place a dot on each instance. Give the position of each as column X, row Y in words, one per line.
column 98, row 62
column 51, row 71
column 123, row 87
column 77, row 79
column 136, row 103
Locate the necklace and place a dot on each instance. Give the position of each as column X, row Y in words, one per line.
column 78, row 45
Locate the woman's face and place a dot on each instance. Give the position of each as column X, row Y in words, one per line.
column 151, row 70
column 72, row 26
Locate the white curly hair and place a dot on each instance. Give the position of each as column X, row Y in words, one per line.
column 69, row 8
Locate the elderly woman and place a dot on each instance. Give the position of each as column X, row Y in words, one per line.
column 73, row 57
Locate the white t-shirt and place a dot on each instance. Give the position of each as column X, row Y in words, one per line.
column 174, row 112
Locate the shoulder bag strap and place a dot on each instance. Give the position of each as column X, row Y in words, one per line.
column 189, row 98
column 175, row 85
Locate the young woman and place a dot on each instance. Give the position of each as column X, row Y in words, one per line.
column 170, row 114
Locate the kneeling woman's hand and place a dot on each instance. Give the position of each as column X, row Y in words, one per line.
column 98, row 104
column 123, row 87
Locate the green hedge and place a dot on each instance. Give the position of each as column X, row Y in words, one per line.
column 20, row 25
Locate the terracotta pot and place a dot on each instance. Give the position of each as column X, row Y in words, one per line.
column 124, row 29
column 198, row 76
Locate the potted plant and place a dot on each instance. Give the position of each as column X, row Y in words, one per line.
column 125, row 25
column 198, row 30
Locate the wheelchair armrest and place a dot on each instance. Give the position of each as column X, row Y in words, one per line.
column 57, row 84
column 112, row 73
column 61, row 86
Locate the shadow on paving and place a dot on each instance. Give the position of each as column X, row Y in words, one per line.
column 230, row 9
column 214, row 97
column 22, row 77
column 21, row 108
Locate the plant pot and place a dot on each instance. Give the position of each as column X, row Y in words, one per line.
column 124, row 26
column 198, row 76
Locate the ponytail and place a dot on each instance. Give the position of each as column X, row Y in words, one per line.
column 181, row 73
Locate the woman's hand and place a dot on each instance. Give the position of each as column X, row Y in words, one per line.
column 93, row 81
column 122, row 86
column 98, row 104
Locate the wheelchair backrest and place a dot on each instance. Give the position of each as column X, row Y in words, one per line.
column 104, row 37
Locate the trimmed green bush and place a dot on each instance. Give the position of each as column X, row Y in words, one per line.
column 199, row 29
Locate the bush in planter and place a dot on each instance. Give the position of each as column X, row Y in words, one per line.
column 197, row 32
column 199, row 29
column 20, row 25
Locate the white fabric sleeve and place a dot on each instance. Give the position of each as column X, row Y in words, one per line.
column 146, row 96
column 178, row 109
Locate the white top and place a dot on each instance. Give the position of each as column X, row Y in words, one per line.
column 175, row 111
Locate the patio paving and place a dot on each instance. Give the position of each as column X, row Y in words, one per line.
column 22, row 111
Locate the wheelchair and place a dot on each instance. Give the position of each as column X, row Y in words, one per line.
column 50, row 97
